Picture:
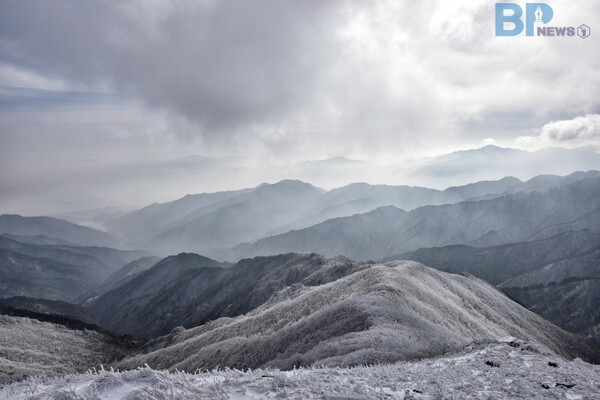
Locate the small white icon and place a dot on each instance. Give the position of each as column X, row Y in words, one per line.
column 538, row 14
column 583, row 31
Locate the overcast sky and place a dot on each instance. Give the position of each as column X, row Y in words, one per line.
column 138, row 101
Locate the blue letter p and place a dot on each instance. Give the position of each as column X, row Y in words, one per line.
column 515, row 18
column 537, row 12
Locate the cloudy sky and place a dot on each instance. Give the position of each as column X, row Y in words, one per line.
column 137, row 101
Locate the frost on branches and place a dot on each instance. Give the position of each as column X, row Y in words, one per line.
column 508, row 369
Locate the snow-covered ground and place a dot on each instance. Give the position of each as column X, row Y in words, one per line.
column 508, row 369
column 29, row 347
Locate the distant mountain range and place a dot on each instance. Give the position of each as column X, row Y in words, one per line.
column 212, row 223
column 493, row 162
column 303, row 289
column 55, row 228
column 56, row 271
column 512, row 217
column 452, row 169
column 487, row 163
column 503, row 231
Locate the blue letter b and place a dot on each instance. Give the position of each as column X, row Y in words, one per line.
column 515, row 18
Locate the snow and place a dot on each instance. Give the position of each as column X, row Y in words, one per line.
column 515, row 369
column 29, row 347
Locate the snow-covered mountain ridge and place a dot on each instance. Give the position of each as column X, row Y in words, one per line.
column 381, row 313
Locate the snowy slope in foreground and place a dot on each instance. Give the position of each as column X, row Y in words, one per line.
column 508, row 369
column 29, row 347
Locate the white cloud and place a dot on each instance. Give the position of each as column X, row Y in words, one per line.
column 582, row 130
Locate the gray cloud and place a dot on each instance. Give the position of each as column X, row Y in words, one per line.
column 285, row 72
column 88, row 85
column 223, row 64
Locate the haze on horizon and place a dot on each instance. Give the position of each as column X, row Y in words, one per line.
column 104, row 104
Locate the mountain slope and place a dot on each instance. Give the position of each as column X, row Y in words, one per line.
column 572, row 304
column 44, row 278
column 360, row 198
column 132, row 308
column 53, row 252
column 140, row 226
column 262, row 210
column 103, row 259
column 584, row 265
column 48, row 307
column 502, row 263
column 56, row 272
column 128, row 272
column 40, row 240
column 361, row 236
column 383, row 313
column 203, row 290
column 387, row 231
column 30, row 347
column 556, row 277
column 56, row 228
column 566, row 292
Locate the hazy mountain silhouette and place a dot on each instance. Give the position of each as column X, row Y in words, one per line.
column 513, row 217
column 206, row 222
column 493, row 162
column 55, row 228
column 56, row 272
column 250, row 218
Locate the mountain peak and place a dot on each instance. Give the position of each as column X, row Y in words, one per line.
column 188, row 258
column 289, row 184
